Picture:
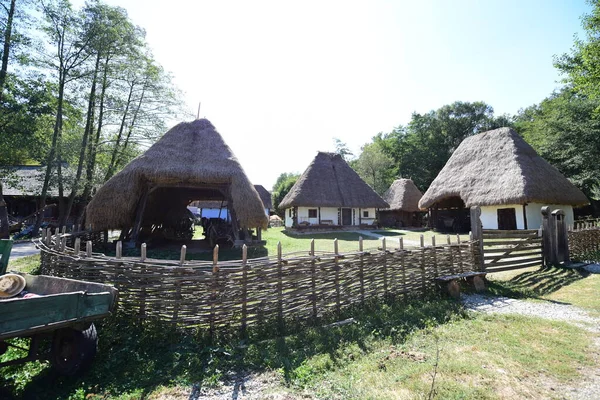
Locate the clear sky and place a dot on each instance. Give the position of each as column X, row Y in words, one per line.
column 281, row 79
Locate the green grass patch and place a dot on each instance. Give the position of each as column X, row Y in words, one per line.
column 573, row 286
column 486, row 357
column 27, row 265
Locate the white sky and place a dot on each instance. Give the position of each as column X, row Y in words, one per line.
column 281, row 79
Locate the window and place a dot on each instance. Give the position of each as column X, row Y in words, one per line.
column 312, row 213
column 365, row 214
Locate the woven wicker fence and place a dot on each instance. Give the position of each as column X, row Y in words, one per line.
column 584, row 241
column 244, row 292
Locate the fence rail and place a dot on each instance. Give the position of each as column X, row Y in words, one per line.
column 244, row 292
column 505, row 250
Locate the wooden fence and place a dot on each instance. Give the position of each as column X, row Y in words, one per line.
column 243, row 292
column 506, row 250
column 584, row 241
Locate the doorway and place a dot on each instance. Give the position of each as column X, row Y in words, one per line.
column 507, row 219
column 346, row 216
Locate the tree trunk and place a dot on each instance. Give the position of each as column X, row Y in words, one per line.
column 6, row 50
column 4, row 228
column 113, row 158
column 52, row 153
column 84, row 143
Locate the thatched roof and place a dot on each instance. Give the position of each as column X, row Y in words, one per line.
column 499, row 167
column 403, row 195
column 265, row 196
column 330, row 182
column 191, row 154
column 24, row 180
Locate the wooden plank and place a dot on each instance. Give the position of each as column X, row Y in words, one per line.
column 510, row 232
column 513, row 267
column 513, row 255
column 514, row 262
column 505, row 243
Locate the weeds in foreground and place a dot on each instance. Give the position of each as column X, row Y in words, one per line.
column 137, row 357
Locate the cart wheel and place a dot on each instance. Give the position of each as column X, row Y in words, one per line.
column 73, row 350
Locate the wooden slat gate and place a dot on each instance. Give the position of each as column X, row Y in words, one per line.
column 505, row 250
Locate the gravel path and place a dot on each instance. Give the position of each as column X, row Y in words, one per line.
column 589, row 387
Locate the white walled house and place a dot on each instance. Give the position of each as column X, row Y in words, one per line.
column 501, row 173
column 330, row 193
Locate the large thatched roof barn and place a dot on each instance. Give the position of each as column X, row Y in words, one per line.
column 330, row 193
column 190, row 162
column 500, row 172
column 403, row 197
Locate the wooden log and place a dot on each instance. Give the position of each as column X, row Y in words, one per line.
column 244, row 289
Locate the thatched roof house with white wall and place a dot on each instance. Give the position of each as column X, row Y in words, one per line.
column 500, row 172
column 190, row 162
column 403, row 197
column 330, row 193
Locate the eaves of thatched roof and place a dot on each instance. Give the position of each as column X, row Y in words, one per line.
column 330, row 182
column 403, row 195
column 24, row 180
column 265, row 196
column 191, row 154
column 498, row 167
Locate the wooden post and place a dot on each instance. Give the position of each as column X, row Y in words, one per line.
column 88, row 249
column 385, row 277
column 64, row 230
column 337, row 276
column 477, row 230
column 548, row 237
column 313, row 279
column 141, row 207
column 63, row 244
column 143, row 252
column 244, row 289
column 434, row 250
column 403, row 267
column 76, row 249
column 182, row 256
column 459, row 254
column 119, row 250
column 361, row 270
column 561, row 239
column 215, row 283
column 422, row 265
column 279, row 288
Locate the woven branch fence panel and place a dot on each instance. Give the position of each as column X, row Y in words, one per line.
column 245, row 292
column 584, row 241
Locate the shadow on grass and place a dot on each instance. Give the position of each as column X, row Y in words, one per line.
column 535, row 284
column 136, row 358
column 389, row 233
column 339, row 235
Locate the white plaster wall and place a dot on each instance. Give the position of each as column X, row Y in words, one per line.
column 330, row 213
column 534, row 214
column 366, row 221
column 288, row 219
column 489, row 216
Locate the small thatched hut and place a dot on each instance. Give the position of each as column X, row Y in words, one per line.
column 190, row 162
column 403, row 197
column 498, row 171
column 330, row 193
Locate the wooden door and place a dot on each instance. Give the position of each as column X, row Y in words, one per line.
column 507, row 219
column 346, row 216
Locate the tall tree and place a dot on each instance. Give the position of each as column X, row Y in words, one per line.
column 70, row 45
column 375, row 167
column 281, row 188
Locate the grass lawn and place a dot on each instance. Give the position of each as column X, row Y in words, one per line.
column 415, row 236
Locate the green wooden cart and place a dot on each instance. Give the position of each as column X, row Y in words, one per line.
column 63, row 312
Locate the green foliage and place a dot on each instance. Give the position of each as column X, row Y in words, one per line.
column 581, row 67
column 422, row 148
column 565, row 131
column 342, row 149
column 375, row 167
column 282, row 186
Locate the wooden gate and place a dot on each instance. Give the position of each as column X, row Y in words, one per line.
column 505, row 250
